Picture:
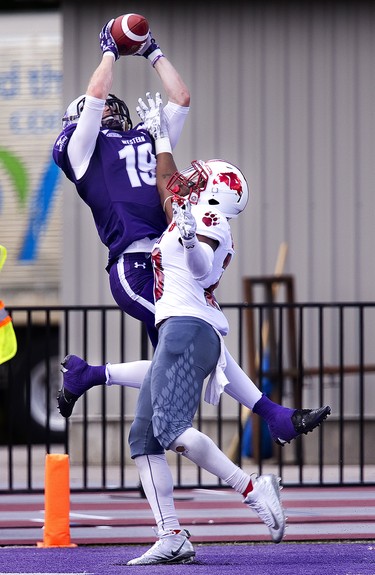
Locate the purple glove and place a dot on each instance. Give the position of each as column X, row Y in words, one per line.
column 150, row 50
column 107, row 43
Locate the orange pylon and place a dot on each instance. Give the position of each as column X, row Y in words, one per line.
column 57, row 502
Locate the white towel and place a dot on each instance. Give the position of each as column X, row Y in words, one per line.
column 217, row 379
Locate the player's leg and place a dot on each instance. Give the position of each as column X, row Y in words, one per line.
column 261, row 493
column 284, row 423
column 172, row 545
column 149, row 457
column 187, row 352
column 131, row 282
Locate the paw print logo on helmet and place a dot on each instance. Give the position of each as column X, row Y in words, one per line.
column 216, row 183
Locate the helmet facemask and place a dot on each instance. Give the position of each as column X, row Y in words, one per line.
column 117, row 117
column 189, row 182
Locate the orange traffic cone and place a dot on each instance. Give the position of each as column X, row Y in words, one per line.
column 57, row 502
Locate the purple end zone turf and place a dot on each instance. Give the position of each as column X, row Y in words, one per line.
column 356, row 558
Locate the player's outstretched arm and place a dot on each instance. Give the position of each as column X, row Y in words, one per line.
column 152, row 116
column 174, row 86
column 82, row 143
column 198, row 249
column 101, row 80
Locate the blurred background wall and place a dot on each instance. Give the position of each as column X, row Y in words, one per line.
column 286, row 91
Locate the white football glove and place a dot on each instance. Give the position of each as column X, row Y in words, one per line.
column 185, row 221
column 153, row 115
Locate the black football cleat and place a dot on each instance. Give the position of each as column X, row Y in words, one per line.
column 306, row 420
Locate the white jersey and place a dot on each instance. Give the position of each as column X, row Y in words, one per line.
column 176, row 292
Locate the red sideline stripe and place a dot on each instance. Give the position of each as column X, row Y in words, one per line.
column 127, row 505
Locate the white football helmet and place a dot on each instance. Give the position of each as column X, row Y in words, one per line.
column 216, row 183
column 118, row 117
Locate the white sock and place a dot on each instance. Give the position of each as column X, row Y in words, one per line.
column 240, row 386
column 157, row 482
column 129, row 374
column 200, row 449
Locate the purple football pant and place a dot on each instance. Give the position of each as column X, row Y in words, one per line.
column 132, row 281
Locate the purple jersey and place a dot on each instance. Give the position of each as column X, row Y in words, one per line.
column 119, row 186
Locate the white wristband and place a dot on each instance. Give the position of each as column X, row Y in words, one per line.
column 163, row 145
column 155, row 56
column 165, row 201
column 109, row 53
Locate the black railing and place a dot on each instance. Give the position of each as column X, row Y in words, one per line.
column 300, row 354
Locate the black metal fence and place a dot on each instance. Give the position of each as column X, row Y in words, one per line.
column 305, row 354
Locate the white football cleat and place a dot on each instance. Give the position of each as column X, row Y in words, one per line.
column 173, row 546
column 264, row 499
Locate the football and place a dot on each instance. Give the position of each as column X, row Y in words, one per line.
column 129, row 31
